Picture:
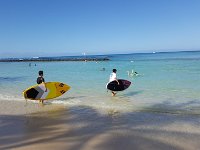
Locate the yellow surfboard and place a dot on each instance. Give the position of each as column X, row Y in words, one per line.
column 52, row 90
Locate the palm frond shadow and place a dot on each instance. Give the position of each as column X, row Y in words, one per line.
column 85, row 125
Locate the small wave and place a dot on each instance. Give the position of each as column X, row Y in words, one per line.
column 70, row 102
column 11, row 97
column 103, row 106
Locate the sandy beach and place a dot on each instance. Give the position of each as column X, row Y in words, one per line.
column 31, row 126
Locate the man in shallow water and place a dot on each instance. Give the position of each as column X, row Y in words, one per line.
column 113, row 77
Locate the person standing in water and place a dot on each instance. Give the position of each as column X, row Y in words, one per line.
column 40, row 80
column 113, row 77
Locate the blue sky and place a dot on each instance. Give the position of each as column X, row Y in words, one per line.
column 71, row 27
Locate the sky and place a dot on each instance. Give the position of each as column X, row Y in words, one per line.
column 30, row 28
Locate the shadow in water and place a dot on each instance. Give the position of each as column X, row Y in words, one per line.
column 133, row 93
column 12, row 79
column 187, row 108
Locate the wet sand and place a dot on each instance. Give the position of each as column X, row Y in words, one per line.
column 52, row 127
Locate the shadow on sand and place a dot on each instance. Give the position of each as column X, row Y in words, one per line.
column 84, row 128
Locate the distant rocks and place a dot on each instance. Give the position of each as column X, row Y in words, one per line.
column 46, row 59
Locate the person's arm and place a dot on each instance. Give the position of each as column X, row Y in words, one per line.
column 44, row 85
column 116, row 79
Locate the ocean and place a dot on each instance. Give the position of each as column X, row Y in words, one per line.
column 167, row 82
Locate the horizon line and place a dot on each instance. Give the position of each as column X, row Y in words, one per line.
column 147, row 52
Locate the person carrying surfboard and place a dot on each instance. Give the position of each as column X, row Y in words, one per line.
column 40, row 80
column 113, row 77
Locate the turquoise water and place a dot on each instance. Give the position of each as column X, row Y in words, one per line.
column 167, row 82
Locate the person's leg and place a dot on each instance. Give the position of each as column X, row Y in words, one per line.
column 41, row 101
column 113, row 93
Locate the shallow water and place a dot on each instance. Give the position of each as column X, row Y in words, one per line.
column 167, row 82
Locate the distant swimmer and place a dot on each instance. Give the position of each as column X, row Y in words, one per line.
column 132, row 73
column 113, row 77
column 103, row 69
column 40, row 80
column 29, row 64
